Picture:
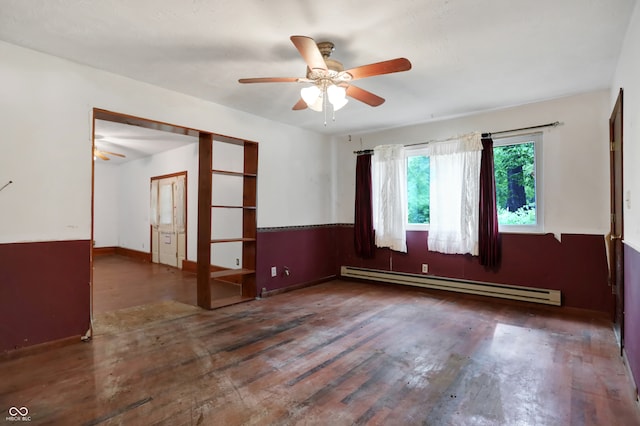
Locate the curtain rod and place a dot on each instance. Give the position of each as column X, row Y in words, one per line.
column 554, row 124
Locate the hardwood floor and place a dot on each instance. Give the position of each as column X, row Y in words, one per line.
column 121, row 282
column 338, row 353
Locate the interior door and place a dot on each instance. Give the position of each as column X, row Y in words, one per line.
column 155, row 255
column 168, row 219
column 180, row 219
column 167, row 241
column 616, row 252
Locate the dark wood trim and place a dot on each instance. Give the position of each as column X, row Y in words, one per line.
column 116, row 117
column 134, row 254
column 632, row 382
column 249, row 218
column 616, row 222
column 189, row 266
column 40, row 348
column 170, row 175
column 122, row 251
column 205, row 156
column 103, row 251
column 132, row 120
column 277, row 291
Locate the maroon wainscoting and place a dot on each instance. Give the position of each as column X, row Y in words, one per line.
column 576, row 266
column 308, row 251
column 44, row 292
column 632, row 310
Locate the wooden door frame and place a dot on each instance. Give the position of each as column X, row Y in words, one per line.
column 205, row 140
column 186, row 206
column 616, row 251
column 116, row 117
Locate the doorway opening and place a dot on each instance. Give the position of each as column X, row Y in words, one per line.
column 616, row 233
column 151, row 218
column 126, row 286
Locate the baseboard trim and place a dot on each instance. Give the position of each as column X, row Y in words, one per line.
column 134, row 254
column 632, row 381
column 122, row 251
column 277, row 291
column 103, row 251
column 40, row 347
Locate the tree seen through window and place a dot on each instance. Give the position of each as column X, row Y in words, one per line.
column 515, row 174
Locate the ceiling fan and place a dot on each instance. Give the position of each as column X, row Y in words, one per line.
column 101, row 153
column 331, row 83
column 104, row 155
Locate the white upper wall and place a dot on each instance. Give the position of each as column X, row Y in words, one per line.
column 134, row 181
column 46, row 105
column 575, row 157
column 627, row 77
column 106, row 204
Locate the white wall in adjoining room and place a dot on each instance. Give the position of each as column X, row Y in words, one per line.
column 47, row 106
column 122, row 197
column 627, row 77
column 105, row 204
column 134, row 181
column 575, row 156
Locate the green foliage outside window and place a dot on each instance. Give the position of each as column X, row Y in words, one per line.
column 418, row 189
column 514, row 167
column 515, row 183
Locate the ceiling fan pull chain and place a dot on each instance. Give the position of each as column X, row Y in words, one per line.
column 324, row 105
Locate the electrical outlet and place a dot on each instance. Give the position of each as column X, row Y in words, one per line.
column 425, row 268
column 274, row 271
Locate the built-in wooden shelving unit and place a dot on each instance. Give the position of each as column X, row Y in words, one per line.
column 245, row 274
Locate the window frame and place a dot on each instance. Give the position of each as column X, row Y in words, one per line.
column 536, row 138
column 416, row 152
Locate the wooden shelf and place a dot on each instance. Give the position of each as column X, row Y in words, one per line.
column 232, row 240
column 230, row 173
column 208, row 187
column 230, row 272
column 218, row 206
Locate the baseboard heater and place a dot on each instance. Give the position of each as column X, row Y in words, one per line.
column 528, row 294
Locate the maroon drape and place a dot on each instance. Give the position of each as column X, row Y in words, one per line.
column 489, row 238
column 363, row 232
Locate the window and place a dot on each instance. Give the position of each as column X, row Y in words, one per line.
column 418, row 189
column 518, row 183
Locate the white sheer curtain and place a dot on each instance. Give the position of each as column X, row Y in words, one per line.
column 389, row 196
column 455, row 195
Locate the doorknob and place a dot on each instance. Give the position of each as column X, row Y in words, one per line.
column 613, row 237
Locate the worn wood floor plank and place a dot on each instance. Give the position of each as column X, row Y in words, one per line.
column 339, row 353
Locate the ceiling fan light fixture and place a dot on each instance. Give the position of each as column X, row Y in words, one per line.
column 318, row 104
column 339, row 103
column 337, row 96
column 311, row 95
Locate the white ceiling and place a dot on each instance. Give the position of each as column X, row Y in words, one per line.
column 467, row 55
column 134, row 142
